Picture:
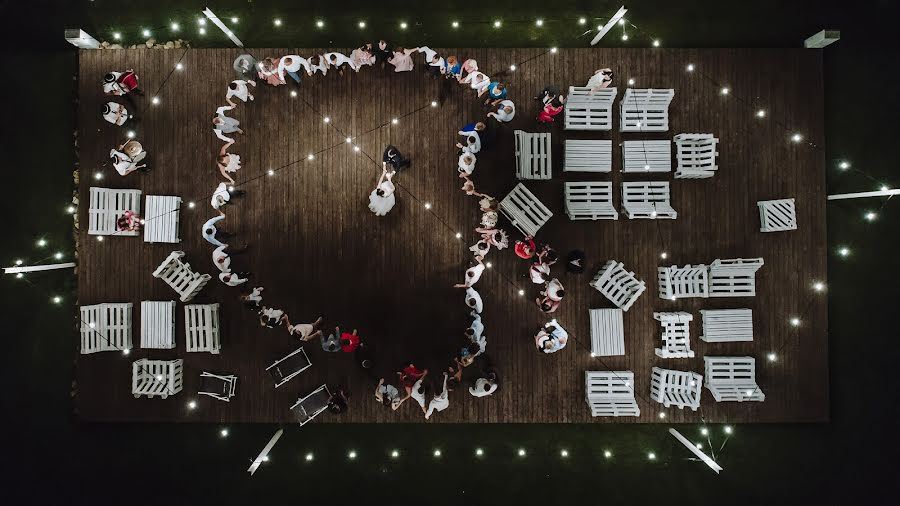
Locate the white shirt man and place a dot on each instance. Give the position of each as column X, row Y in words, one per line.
column 222, row 260
column 238, row 88
column 483, row 387
column 209, row 231
column 220, row 197
column 506, row 111
column 473, row 300
column 231, row 279
column 440, row 401
column 115, row 113
column 291, row 64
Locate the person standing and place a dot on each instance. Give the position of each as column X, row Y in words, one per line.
column 306, row 331
column 292, row 64
column 234, row 278
column 246, row 66
column 473, row 274
column 505, row 113
column 350, row 341
column 401, row 59
column 223, row 124
column 382, row 52
column 222, row 260
column 253, row 298
column 238, row 88
column 222, row 195
column 210, row 232
column 116, row 113
column 439, row 402
column 228, row 163
column 268, row 72
column 393, row 157
column 496, row 92
column 382, row 198
column 473, row 300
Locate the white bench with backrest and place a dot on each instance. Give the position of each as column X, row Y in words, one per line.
column 610, row 393
column 777, row 215
column 590, row 201
column 607, row 334
column 107, row 205
column 105, row 327
column 201, row 328
column 732, row 379
column 683, row 282
column 534, row 158
column 524, row 210
column 158, row 324
column 618, row 285
column 727, row 325
column 695, row 155
column 676, row 388
column 586, row 110
column 676, row 334
column 647, row 199
column 645, row 110
column 180, row 277
column 593, row 155
column 156, row 378
column 161, row 218
column 646, row 156
column 734, row 277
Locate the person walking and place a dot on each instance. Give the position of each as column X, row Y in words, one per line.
column 117, row 114
column 506, row 111
column 228, row 163
column 306, row 331
column 401, row 59
column 291, row 64
column 234, row 278
column 222, row 259
column 238, row 88
column 393, row 157
column 223, row 124
column 382, row 198
column 210, row 232
column 440, row 401
column 222, row 195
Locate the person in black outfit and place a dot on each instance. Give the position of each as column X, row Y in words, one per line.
column 393, row 157
column 337, row 403
column 382, row 51
column 547, row 94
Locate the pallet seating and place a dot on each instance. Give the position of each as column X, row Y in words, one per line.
column 311, row 405
column 647, row 199
column 589, row 111
column 683, row 282
column 588, row 156
column 161, row 218
column 610, row 393
column 590, row 201
column 285, row 369
column 105, row 327
column 107, row 205
column 158, row 324
column 201, row 328
column 607, row 336
column 156, row 378
column 180, row 277
column 727, row 325
column 618, row 285
column 646, row 156
column 676, row 335
column 676, row 388
column 733, row 277
column 645, row 110
column 534, row 159
column 216, row 386
column 777, row 215
column 524, row 210
column 696, row 156
column 732, row 379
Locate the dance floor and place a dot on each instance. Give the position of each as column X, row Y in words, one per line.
column 318, row 250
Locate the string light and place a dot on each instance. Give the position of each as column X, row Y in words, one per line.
column 656, row 43
column 796, row 137
column 521, row 452
column 749, row 393
column 844, row 251
column 126, row 351
column 18, row 262
column 179, row 66
column 320, row 24
column 99, row 238
column 395, row 454
column 223, row 432
column 326, row 119
column 117, row 35
column 663, row 255
column 191, row 204
column 724, row 90
column 348, row 140
column 293, row 93
column 155, row 100
column 130, row 134
column 512, row 68
column 192, row 405
column 539, row 22
column 870, row 216
column 772, row 357
column 844, row 165
column 70, row 209
column 270, row 172
column 41, row 243
column 662, row 414
column 394, row 121
column 699, row 446
column 57, row 299
column 362, row 24
column 884, row 188
column 175, row 27
column 488, row 265
column 497, row 24
column 795, row 321
column 728, row 429
column 58, row 256
column 201, row 21
column 521, row 292
column 458, row 235
column 437, row 453
column 651, row 456
column 564, row 453
column 309, row 457
column 356, row 148
column 818, row 286
column 553, row 50
column 624, row 36
column 146, row 33
column 159, row 377
column 593, row 355
column 582, row 21
column 622, row 22
column 690, row 67
column 479, row 452
column 202, row 31
column 276, row 22
column 403, row 25
column 433, row 103
column 704, row 431
column 428, row 205
column 455, row 24
column 761, row 113
column 630, row 82
column 234, row 20
column 351, row 454
column 607, row 454
column 265, row 458
column 310, row 156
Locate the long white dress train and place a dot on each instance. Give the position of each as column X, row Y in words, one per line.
column 382, row 205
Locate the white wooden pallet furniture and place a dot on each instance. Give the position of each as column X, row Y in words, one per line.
column 534, row 158
column 645, row 110
column 589, row 111
column 217, row 386
column 311, row 405
column 180, row 277
column 732, row 379
column 676, row 388
column 647, row 200
column 524, row 210
column 105, row 327
column 696, row 156
column 676, row 334
column 610, row 393
column 590, row 201
column 646, row 156
column 607, row 335
column 777, row 215
column 727, row 325
column 593, row 155
column 156, row 378
column 683, row 282
column 618, row 285
column 285, row 369
column 107, row 205
column 161, row 216
column 158, row 324
column 201, row 328
column 734, row 277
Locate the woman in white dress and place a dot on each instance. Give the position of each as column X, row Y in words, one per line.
column 382, row 198
column 602, row 78
column 228, row 163
column 473, row 274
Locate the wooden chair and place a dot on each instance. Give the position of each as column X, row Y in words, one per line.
column 683, row 282
column 524, row 210
column 158, row 324
column 590, row 201
column 107, row 205
column 645, row 110
column 105, row 327
column 589, row 111
column 676, row 388
column 696, row 156
column 618, row 285
column 732, row 379
column 646, row 156
column 648, row 200
column 201, row 328
column 676, row 335
column 610, row 393
column 534, row 158
column 161, row 219
column 180, row 277
column 734, row 277
column 156, row 378
column 588, row 156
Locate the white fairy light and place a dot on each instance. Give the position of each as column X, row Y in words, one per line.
column 497, row 24
column 202, row 31
column 293, row 93
column 662, row 414
column 593, row 355
column 599, row 27
column 624, row 36
column 458, row 235
column 704, row 431
column 844, row 165
column 19, row 262
column 647, row 167
column 690, row 67
column 797, row 137
column 655, row 42
column 724, row 90
column 488, row 265
column 651, row 456
column 622, row 22
column 772, row 357
column 433, row 103
column 192, row 405
column 179, row 66
column 159, row 377
column 191, row 204
column 320, row 24
column 403, row 25
column 630, row 82
column 761, row 113
column 394, row 121
column 607, row 453
column 265, row 458
column 428, row 205
column 155, row 100
column 276, row 22
column 270, row 172
column 437, row 453
column 117, row 35
column 223, row 432
column 521, row 452
column 175, row 27
column 884, row 188
column 564, row 453
column 395, row 454
column 521, row 292
column 479, row 452
column 57, row 299
column 553, row 50
column 362, row 24
column 309, row 457
column 455, row 24
column 126, row 351
column 58, row 256
column 728, row 429
column 231, row 188
column 146, row 32
column 674, row 298
column 348, row 140
column 310, row 156
column 100, row 238
column 512, row 68
column 653, row 214
column 870, row 216
column 98, row 176
column 795, row 321
column 351, row 454
column 70, row 209
column 663, row 255
column 356, row 149
column 818, row 286
column 539, row 22
column 749, row 393
column 41, row 243
column 234, row 19
column 699, row 446
column 582, row 21
column 201, row 21
column 326, row 119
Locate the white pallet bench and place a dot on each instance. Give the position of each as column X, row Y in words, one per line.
column 590, row 201
column 646, row 156
column 217, row 386
column 696, row 156
column 734, row 277
column 107, row 205
column 589, row 111
column 588, row 156
column 618, row 285
column 727, row 325
column 534, row 158
column 607, row 335
column 158, row 324
column 156, row 378
column 676, row 335
column 180, row 277
column 105, row 327
column 777, row 215
column 645, row 110
column 161, row 216
column 287, row 368
column 524, row 210
column 201, row 328
column 676, row 388
column 610, row 393
column 683, row 282
column 732, row 379
column 311, row 405
column 647, row 200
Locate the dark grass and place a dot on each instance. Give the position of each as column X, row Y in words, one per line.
column 57, row 460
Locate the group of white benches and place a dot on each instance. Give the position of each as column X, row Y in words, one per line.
column 160, row 219
column 162, row 378
column 735, row 277
column 641, row 110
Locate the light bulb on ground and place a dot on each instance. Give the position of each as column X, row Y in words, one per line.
column 479, row 452
column 192, row 405
column 795, row 321
column 725, row 90
column 818, row 286
column 656, row 43
column 870, row 216
column 796, row 137
column 146, row 33
column 690, row 67
column 651, row 456
column 403, row 25
column 362, row 24
column 761, row 113
column 175, row 27
column 437, row 453
column 539, row 22
column 455, row 24
column 582, row 21
column 772, row 357
column 179, row 66
column 117, row 35
column 564, row 453
column 704, row 431
column 522, row 452
column 234, row 19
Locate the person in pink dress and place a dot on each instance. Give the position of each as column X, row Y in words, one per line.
column 268, row 71
column 401, row 60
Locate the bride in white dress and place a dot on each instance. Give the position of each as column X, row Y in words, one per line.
column 382, row 198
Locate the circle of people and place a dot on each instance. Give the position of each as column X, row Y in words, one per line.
column 273, row 71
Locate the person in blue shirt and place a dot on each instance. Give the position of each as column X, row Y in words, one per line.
column 496, row 92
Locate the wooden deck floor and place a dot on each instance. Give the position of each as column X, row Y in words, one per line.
column 318, row 250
